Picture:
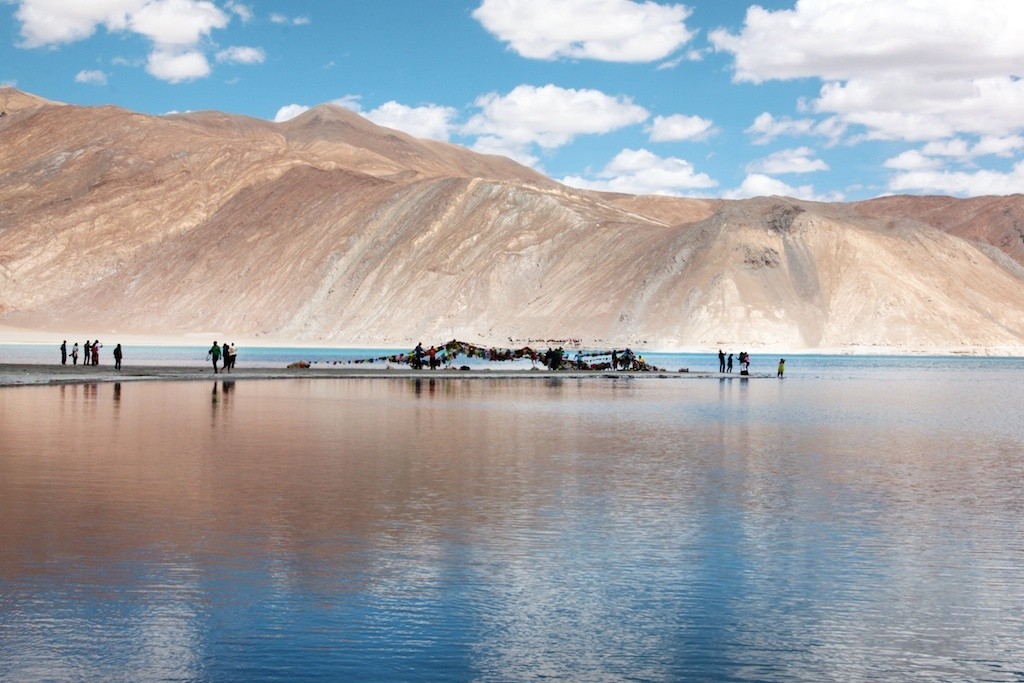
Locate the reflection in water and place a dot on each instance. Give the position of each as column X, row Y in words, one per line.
column 510, row 530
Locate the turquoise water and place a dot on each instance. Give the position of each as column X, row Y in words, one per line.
column 859, row 521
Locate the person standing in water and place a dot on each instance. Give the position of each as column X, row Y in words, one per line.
column 728, row 364
column 214, row 353
column 721, row 360
column 117, row 357
column 782, row 366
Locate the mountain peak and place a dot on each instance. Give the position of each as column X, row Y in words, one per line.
column 13, row 100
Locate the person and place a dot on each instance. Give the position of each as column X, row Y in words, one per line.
column 721, row 360
column 87, row 349
column 615, row 359
column 74, row 354
column 232, row 355
column 432, row 357
column 728, row 364
column 96, row 346
column 64, row 352
column 417, row 357
column 117, row 357
column 782, row 366
column 214, row 353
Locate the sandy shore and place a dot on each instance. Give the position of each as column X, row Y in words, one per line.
column 39, row 374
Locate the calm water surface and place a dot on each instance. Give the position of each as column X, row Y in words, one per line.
column 857, row 523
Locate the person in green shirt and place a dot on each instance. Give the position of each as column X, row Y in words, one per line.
column 214, row 353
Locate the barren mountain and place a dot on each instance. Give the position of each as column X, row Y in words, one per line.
column 330, row 229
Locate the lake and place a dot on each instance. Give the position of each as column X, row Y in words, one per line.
column 862, row 519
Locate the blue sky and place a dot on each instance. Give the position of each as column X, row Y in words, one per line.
column 817, row 99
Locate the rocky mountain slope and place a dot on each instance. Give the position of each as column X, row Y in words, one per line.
column 328, row 229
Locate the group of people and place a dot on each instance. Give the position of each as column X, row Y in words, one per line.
column 432, row 357
column 227, row 353
column 725, row 363
column 90, row 353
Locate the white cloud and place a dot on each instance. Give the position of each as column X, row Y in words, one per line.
column 760, row 185
column 124, row 61
column 175, row 27
column 349, row 102
column 177, row 23
column 54, row 22
column 981, row 182
column 798, row 160
column 289, row 111
column 551, row 116
column 766, row 128
column 957, row 148
column 680, row 127
column 638, row 171
column 488, row 144
column 244, row 12
column 912, row 160
column 242, row 55
column 905, row 70
column 844, row 39
column 606, row 30
column 176, row 67
column 427, row 121
column 998, row 146
column 284, row 20
column 92, row 77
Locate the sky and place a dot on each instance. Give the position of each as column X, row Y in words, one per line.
column 830, row 100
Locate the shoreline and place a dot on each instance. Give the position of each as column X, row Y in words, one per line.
column 28, row 374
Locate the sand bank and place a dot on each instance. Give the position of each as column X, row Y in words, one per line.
column 39, row 374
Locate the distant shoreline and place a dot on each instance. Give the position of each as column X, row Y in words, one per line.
column 28, row 374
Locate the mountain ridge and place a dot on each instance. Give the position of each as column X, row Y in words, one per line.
column 330, row 229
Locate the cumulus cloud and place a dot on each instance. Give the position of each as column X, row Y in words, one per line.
column 54, row 22
column 638, row 171
column 606, row 30
column 680, row 127
column 767, row 127
column 177, row 23
column 798, row 160
column 550, row 116
column 902, row 71
column 426, row 121
column 488, row 144
column 971, row 183
column 92, row 77
column 175, row 28
column 176, row 66
column 289, row 111
column 912, row 160
column 760, row 185
column 241, row 55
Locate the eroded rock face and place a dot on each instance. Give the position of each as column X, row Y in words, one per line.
column 329, row 229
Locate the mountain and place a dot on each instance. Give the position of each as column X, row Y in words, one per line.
column 328, row 229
